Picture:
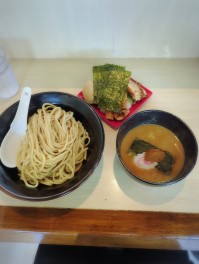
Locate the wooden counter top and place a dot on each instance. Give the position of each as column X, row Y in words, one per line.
column 110, row 208
column 154, row 230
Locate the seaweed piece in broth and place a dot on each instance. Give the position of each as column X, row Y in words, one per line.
column 165, row 164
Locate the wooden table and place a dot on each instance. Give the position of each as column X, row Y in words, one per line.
column 110, row 208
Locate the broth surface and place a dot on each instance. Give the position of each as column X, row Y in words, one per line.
column 160, row 137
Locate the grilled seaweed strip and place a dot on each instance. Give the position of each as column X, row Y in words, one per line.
column 110, row 86
column 165, row 165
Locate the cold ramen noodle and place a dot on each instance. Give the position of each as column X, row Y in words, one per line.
column 152, row 153
column 54, row 147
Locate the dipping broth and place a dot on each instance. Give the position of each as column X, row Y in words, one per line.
column 160, row 137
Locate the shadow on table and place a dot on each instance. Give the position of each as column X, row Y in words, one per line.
column 71, row 200
column 141, row 192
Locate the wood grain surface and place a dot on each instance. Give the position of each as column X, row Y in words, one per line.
column 158, row 230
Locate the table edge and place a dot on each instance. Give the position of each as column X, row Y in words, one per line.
column 89, row 227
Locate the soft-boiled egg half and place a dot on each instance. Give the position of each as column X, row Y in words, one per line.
column 88, row 92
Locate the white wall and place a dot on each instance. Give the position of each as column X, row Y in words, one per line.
column 105, row 28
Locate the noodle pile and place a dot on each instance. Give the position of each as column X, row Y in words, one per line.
column 54, row 147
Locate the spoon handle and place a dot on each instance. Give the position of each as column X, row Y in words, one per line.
column 19, row 123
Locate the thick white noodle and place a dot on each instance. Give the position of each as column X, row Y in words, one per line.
column 54, row 147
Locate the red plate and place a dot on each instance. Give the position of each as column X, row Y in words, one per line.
column 114, row 123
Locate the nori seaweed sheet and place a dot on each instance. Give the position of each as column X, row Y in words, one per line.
column 165, row 165
column 110, row 86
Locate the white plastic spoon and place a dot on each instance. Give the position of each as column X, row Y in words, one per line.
column 12, row 140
